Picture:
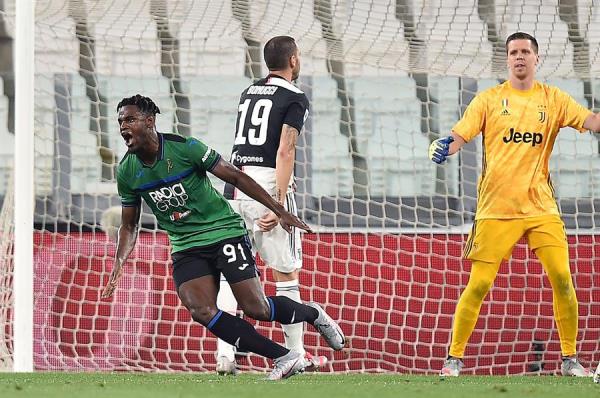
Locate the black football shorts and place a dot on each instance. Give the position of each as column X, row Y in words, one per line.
column 232, row 257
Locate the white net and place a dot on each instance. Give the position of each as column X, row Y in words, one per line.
column 384, row 78
column 6, row 277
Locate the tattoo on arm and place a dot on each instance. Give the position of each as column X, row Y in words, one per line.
column 285, row 160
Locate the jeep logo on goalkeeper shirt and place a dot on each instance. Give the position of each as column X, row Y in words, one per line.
column 173, row 196
column 526, row 138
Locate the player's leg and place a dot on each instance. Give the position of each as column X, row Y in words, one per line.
column 489, row 242
column 480, row 282
column 251, row 299
column 226, row 302
column 226, row 352
column 286, row 284
column 282, row 252
column 237, row 264
column 199, row 297
column 548, row 239
column 197, row 281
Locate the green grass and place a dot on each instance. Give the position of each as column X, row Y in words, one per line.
column 116, row 385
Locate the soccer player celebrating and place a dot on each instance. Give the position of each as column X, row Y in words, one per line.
column 519, row 120
column 271, row 116
column 207, row 237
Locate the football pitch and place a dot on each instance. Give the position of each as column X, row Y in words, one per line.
column 116, row 385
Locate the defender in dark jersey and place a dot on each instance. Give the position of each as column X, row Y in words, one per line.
column 271, row 116
column 208, row 238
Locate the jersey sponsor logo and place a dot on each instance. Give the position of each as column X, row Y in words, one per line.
column 169, row 197
column 526, row 138
column 262, row 90
column 176, row 216
column 237, row 159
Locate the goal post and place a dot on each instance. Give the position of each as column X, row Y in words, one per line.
column 384, row 79
column 24, row 187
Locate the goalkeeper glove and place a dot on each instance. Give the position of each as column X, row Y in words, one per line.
column 438, row 150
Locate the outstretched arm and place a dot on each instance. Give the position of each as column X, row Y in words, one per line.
column 231, row 174
column 457, row 144
column 128, row 232
column 592, row 122
column 440, row 149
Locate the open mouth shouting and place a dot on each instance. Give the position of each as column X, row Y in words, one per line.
column 128, row 137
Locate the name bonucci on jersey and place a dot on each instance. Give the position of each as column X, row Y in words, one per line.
column 262, row 90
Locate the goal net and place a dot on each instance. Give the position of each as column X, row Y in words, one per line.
column 384, row 78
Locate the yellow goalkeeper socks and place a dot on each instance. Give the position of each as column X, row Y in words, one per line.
column 467, row 310
column 555, row 261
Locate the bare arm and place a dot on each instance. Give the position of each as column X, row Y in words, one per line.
column 127, row 236
column 286, row 155
column 457, row 144
column 231, row 174
column 592, row 122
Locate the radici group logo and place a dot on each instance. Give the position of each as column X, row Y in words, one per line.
column 170, row 198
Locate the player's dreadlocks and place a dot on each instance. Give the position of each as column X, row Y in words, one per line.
column 146, row 105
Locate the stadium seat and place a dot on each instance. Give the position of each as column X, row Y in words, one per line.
column 57, row 52
column 596, row 88
column 214, row 108
column 593, row 36
column 444, row 91
column 85, row 160
column 455, row 39
column 7, row 148
column 86, row 163
column 57, row 47
column 575, row 163
column 331, row 161
column 126, row 39
column 549, row 30
column 484, row 84
column 202, row 50
column 388, row 131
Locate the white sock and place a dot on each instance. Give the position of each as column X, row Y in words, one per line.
column 294, row 333
column 226, row 302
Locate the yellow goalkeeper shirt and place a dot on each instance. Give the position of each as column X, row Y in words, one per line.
column 519, row 128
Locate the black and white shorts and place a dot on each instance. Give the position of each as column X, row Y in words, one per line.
column 231, row 257
column 279, row 249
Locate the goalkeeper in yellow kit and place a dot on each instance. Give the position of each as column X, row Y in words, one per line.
column 519, row 120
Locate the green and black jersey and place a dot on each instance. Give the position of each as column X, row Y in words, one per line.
column 180, row 193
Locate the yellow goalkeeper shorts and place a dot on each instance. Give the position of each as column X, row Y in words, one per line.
column 492, row 240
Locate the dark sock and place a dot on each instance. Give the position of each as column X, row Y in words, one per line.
column 286, row 311
column 241, row 334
